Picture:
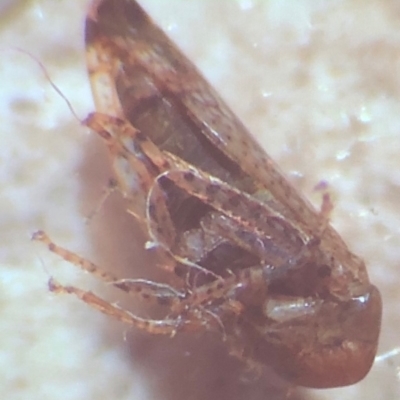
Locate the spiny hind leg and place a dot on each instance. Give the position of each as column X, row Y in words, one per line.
column 161, row 327
column 149, row 291
column 191, row 322
column 159, row 293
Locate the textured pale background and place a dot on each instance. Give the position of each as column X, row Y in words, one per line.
column 318, row 83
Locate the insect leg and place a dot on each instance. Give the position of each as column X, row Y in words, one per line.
column 147, row 290
column 242, row 208
column 133, row 140
column 136, row 161
column 162, row 326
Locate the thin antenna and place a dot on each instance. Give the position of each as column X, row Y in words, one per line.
column 47, row 76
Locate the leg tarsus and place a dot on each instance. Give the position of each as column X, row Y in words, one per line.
column 73, row 258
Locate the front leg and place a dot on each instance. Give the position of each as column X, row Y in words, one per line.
column 135, row 159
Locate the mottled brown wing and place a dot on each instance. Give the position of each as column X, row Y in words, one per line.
column 162, row 93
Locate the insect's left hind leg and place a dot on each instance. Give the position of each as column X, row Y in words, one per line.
column 149, row 291
column 159, row 293
column 162, row 326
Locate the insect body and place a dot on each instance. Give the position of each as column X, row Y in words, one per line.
column 256, row 260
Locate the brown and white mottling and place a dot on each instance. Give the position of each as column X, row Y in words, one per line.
column 316, row 83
